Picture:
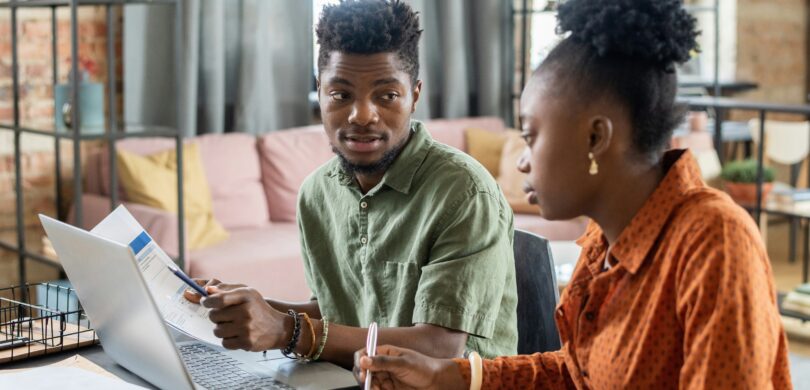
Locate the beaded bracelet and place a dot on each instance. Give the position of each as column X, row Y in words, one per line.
column 324, row 335
column 296, row 335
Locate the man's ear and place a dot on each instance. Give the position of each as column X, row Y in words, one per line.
column 600, row 135
column 417, row 90
column 318, row 88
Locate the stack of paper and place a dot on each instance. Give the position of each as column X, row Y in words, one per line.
column 798, row 300
column 167, row 289
column 74, row 373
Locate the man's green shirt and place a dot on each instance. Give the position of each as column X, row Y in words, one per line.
column 432, row 244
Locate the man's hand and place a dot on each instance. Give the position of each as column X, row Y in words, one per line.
column 400, row 368
column 245, row 321
column 192, row 295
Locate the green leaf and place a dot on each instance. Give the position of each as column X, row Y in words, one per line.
column 745, row 172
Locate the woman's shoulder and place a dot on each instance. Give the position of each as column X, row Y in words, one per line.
column 707, row 213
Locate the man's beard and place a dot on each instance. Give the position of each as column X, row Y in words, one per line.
column 379, row 166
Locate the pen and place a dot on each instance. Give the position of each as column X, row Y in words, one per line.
column 371, row 350
column 188, row 281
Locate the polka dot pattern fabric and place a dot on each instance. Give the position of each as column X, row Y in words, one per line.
column 689, row 304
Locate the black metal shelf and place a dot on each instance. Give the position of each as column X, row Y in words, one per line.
column 129, row 131
column 747, row 105
column 66, row 3
column 42, row 259
column 113, row 131
column 720, row 105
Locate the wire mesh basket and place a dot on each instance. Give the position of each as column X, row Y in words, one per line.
column 39, row 319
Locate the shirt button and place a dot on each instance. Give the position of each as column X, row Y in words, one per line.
column 363, row 240
column 590, row 316
column 363, row 205
column 585, row 373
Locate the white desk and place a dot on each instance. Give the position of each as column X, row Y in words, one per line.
column 565, row 255
column 293, row 373
column 94, row 354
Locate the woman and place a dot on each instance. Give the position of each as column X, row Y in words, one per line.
column 673, row 288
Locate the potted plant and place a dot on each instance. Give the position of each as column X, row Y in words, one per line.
column 740, row 181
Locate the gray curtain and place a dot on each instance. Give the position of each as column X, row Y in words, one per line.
column 245, row 65
column 464, row 56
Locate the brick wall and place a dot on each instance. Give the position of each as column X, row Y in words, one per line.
column 37, row 111
column 772, row 50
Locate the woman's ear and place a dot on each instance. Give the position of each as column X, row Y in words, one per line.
column 600, row 134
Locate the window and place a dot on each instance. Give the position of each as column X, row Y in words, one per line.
column 317, row 6
column 541, row 30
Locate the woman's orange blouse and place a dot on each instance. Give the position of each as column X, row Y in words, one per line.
column 688, row 303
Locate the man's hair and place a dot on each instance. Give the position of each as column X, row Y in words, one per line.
column 370, row 27
column 628, row 49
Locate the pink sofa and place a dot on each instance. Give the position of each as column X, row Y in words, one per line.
column 254, row 186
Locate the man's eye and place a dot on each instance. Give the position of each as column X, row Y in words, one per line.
column 338, row 96
column 528, row 138
column 391, row 97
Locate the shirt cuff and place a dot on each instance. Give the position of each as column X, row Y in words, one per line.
column 475, row 324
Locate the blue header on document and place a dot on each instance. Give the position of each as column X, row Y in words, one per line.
column 140, row 242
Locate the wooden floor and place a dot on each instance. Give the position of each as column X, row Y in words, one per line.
column 787, row 276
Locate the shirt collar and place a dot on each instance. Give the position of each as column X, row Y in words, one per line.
column 637, row 239
column 401, row 173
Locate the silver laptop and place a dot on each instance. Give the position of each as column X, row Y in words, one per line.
column 132, row 332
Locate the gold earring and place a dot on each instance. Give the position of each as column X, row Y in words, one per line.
column 594, row 166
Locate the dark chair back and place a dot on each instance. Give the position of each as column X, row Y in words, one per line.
column 537, row 294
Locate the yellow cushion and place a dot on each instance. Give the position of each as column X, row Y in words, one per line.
column 485, row 146
column 510, row 179
column 152, row 181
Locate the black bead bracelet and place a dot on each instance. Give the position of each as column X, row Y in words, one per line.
column 288, row 351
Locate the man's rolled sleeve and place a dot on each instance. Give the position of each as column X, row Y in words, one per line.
column 471, row 263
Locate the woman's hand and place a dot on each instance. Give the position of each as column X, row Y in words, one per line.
column 400, row 368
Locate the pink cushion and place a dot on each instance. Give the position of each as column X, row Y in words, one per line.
column 267, row 259
column 552, row 230
column 92, row 171
column 287, row 158
column 451, row 131
column 231, row 165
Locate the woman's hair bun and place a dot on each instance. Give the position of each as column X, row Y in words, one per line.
column 661, row 32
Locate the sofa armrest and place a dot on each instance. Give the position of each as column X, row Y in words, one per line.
column 160, row 224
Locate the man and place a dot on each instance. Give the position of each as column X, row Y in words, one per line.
column 397, row 229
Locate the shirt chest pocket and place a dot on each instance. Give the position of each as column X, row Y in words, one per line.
column 397, row 290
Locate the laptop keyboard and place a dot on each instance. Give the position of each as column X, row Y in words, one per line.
column 216, row 370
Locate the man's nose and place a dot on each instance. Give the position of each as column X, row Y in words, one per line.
column 364, row 113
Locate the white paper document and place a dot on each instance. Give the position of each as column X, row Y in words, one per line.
column 63, row 378
column 167, row 289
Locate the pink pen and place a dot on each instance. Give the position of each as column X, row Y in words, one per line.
column 371, row 350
